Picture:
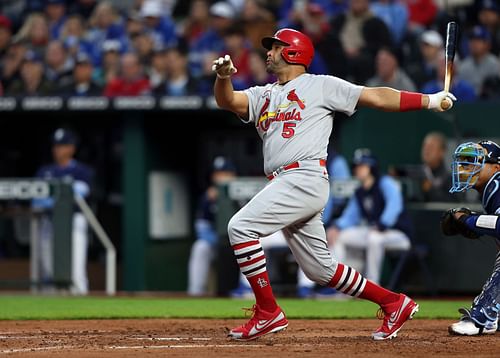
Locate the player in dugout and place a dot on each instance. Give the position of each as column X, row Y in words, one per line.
column 477, row 166
column 294, row 118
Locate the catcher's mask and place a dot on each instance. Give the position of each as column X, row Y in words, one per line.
column 468, row 160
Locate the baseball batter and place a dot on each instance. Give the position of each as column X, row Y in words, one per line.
column 294, row 118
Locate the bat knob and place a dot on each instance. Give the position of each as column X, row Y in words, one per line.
column 445, row 104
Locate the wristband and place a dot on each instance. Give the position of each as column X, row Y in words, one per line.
column 410, row 101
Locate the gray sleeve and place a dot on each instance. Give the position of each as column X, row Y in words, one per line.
column 253, row 95
column 340, row 95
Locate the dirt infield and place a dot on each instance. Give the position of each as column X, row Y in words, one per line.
column 206, row 338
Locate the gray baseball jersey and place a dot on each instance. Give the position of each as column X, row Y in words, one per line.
column 295, row 119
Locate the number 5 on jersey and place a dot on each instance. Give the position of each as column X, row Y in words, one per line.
column 288, row 129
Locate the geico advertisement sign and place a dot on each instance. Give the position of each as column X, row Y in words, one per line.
column 24, row 189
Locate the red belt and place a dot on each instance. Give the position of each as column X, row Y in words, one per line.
column 322, row 162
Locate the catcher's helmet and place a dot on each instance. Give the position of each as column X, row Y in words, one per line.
column 468, row 160
column 298, row 49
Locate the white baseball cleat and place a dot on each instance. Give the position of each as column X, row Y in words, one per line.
column 468, row 328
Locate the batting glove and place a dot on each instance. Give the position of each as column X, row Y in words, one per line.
column 435, row 100
column 224, row 67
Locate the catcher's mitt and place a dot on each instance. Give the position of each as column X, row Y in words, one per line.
column 452, row 226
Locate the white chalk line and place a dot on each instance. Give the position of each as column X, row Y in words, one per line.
column 34, row 349
column 173, row 338
column 186, row 346
column 190, row 346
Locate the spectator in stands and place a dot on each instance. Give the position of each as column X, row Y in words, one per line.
column 389, row 73
column 196, row 23
column 481, row 63
column 104, row 24
column 354, row 41
column 59, row 66
column 395, row 15
column 489, row 17
column 35, row 33
column 258, row 72
column 55, row 11
column 462, row 89
column 422, row 66
column 374, row 220
column 436, row 178
column 158, row 23
column 11, row 63
column 5, row 34
column 73, row 36
column 421, row 14
column 82, row 83
column 110, row 62
column 178, row 81
column 314, row 23
column 31, row 81
column 158, row 69
column 131, row 81
column 84, row 8
column 143, row 45
column 257, row 21
column 135, row 25
column 211, row 43
column 491, row 88
column 238, row 48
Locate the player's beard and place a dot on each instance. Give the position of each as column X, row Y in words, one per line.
column 273, row 67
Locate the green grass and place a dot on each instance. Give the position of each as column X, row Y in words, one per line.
column 45, row 307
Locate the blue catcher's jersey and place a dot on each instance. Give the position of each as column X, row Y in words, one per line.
column 491, row 195
column 488, row 224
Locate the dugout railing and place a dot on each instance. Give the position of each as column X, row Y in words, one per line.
column 16, row 195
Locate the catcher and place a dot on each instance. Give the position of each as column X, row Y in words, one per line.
column 477, row 165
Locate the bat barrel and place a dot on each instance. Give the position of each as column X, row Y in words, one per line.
column 451, row 40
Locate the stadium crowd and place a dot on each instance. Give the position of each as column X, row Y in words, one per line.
column 166, row 47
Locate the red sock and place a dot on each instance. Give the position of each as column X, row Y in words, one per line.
column 350, row 282
column 263, row 292
column 252, row 262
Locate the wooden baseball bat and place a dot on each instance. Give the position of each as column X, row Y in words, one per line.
column 451, row 44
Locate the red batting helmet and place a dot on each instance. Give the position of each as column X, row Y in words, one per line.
column 298, row 49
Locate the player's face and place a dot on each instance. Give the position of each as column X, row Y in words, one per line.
column 275, row 62
column 63, row 152
column 222, row 176
column 485, row 174
column 362, row 171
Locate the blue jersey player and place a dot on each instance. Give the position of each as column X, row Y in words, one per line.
column 65, row 166
column 477, row 165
